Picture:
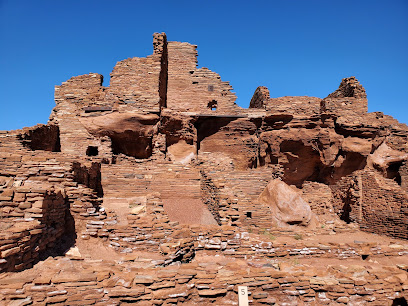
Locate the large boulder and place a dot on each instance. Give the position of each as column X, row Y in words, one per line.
column 286, row 204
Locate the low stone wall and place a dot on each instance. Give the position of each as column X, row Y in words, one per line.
column 374, row 202
column 73, row 282
column 40, row 220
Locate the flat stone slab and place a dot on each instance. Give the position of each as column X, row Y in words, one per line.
column 188, row 211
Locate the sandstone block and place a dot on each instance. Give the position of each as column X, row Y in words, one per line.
column 286, row 204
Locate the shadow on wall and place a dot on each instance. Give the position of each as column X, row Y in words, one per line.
column 303, row 162
column 64, row 225
column 209, row 126
column 89, row 176
column 42, row 137
column 399, row 302
column 393, row 172
column 132, row 143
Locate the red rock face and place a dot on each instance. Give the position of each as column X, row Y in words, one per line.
column 167, row 192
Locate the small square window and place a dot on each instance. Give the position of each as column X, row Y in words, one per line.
column 92, row 151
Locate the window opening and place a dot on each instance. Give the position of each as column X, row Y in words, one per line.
column 212, row 105
column 92, row 151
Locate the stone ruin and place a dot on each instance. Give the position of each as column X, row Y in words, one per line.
column 160, row 190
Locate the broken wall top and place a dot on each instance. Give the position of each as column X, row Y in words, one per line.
column 350, row 99
column 169, row 78
column 168, row 84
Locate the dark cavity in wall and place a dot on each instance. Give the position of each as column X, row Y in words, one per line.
column 302, row 162
column 349, row 201
column 207, row 126
column 163, row 78
column 67, row 239
column 269, row 158
column 42, row 137
column 393, row 172
column 89, row 176
column 92, row 151
column 132, row 143
column 345, row 213
column 352, row 161
column 399, row 302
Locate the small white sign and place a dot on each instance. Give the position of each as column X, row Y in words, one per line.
column 243, row 295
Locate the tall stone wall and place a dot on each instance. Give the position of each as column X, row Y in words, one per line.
column 192, row 89
column 80, row 96
column 81, row 91
column 135, row 82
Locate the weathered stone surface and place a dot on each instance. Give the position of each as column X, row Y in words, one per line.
column 286, row 204
column 158, row 189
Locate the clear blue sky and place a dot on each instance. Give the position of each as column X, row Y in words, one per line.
column 292, row 47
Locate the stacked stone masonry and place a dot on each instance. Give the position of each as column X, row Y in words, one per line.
column 159, row 190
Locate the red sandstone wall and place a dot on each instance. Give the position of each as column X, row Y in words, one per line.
column 135, row 82
column 236, row 139
column 82, row 90
column 384, row 207
column 74, row 98
column 349, row 99
column 375, row 203
column 192, row 89
column 403, row 172
column 319, row 197
column 306, row 106
column 260, row 98
column 42, row 137
column 21, row 243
